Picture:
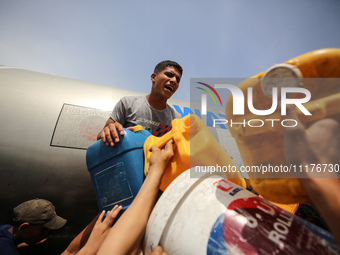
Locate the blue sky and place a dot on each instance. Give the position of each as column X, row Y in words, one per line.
column 118, row 43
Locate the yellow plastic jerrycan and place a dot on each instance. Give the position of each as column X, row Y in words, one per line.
column 263, row 146
column 195, row 146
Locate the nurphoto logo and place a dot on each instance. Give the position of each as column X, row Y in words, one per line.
column 279, row 95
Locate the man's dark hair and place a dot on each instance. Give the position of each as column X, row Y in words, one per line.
column 164, row 64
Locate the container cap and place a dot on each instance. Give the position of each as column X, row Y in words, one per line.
column 137, row 128
column 280, row 75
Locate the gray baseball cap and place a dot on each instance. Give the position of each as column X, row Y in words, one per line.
column 38, row 211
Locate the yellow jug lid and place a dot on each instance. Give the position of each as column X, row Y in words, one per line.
column 138, row 128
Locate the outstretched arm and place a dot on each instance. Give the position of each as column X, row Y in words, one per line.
column 79, row 241
column 126, row 235
column 319, row 144
column 89, row 240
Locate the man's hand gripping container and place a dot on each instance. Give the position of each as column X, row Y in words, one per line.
column 264, row 145
column 195, row 146
column 117, row 172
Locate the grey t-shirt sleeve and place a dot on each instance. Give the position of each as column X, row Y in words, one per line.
column 177, row 115
column 119, row 113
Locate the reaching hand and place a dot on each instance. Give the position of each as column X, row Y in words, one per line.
column 318, row 144
column 160, row 158
column 100, row 231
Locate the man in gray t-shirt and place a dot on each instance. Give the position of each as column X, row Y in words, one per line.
column 151, row 111
column 136, row 110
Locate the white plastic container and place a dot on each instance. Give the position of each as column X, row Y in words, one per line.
column 215, row 216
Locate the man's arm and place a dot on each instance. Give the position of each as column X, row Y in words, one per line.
column 319, row 144
column 100, row 231
column 88, row 241
column 109, row 134
column 127, row 234
column 79, row 241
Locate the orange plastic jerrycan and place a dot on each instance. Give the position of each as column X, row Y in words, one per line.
column 195, row 146
column 263, row 145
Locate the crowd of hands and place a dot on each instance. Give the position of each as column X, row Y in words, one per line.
column 317, row 144
column 91, row 238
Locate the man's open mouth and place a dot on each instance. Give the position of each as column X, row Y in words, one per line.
column 169, row 88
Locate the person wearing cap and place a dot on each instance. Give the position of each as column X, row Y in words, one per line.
column 33, row 220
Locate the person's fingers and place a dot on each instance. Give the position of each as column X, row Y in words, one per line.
column 153, row 148
column 111, row 134
column 291, row 113
column 291, row 133
column 297, row 147
column 120, row 128
column 158, row 251
column 294, row 138
column 112, row 214
column 103, row 136
column 169, row 148
column 101, row 216
column 115, row 211
column 106, row 136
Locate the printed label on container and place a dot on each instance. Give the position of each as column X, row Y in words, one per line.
column 251, row 225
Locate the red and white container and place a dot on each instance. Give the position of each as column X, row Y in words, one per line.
column 215, row 216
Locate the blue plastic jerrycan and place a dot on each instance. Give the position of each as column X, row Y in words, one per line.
column 117, row 172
